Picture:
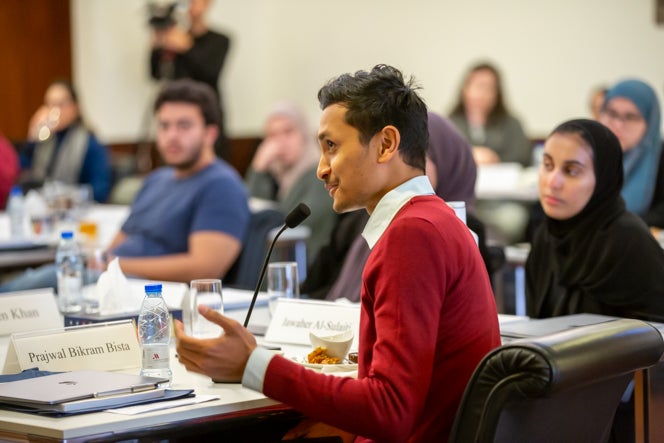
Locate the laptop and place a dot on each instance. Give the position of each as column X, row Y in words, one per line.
column 9, row 245
column 81, row 390
column 540, row 327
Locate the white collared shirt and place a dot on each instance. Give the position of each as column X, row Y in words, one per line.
column 391, row 203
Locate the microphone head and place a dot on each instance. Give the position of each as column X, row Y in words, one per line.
column 297, row 215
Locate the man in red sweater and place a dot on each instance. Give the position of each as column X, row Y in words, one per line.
column 428, row 314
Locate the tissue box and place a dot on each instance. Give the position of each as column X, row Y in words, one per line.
column 79, row 319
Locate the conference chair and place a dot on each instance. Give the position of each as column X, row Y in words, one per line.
column 262, row 229
column 562, row 387
column 245, row 271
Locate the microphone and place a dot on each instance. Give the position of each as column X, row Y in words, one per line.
column 294, row 218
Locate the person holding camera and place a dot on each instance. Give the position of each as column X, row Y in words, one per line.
column 197, row 53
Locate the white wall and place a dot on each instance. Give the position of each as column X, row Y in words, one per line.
column 551, row 53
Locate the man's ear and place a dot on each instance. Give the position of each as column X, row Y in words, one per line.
column 211, row 134
column 390, row 138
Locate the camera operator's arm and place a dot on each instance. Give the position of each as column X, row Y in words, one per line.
column 156, row 53
column 206, row 57
column 176, row 39
column 167, row 43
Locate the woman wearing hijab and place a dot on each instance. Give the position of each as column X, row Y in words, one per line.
column 631, row 111
column 590, row 255
column 284, row 170
column 452, row 172
column 450, row 164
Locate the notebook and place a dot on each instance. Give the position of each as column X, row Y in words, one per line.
column 80, row 390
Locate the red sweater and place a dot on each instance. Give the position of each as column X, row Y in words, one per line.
column 428, row 317
column 9, row 169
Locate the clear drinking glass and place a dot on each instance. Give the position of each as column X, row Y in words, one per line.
column 205, row 292
column 282, row 282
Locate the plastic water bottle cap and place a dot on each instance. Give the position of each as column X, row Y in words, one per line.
column 151, row 289
column 16, row 190
column 66, row 235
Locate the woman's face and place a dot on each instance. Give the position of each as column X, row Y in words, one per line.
column 625, row 120
column 479, row 92
column 57, row 97
column 288, row 137
column 566, row 176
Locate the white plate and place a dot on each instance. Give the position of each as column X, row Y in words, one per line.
column 336, row 367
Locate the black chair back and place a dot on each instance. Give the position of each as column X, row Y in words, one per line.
column 246, row 269
column 562, row 387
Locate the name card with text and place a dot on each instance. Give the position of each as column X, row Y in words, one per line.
column 293, row 319
column 102, row 346
column 28, row 311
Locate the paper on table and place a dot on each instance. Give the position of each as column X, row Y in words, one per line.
column 35, row 204
column 139, row 409
column 241, row 298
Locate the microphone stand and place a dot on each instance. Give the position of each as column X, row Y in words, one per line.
column 262, row 275
column 294, row 218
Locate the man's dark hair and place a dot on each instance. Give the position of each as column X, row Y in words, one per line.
column 379, row 98
column 190, row 91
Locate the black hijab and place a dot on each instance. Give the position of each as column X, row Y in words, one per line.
column 603, row 260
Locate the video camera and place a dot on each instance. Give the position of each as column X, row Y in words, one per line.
column 162, row 15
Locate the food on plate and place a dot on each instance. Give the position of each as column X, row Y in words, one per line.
column 352, row 357
column 319, row 356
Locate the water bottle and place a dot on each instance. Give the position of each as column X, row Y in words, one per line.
column 69, row 263
column 16, row 211
column 154, row 334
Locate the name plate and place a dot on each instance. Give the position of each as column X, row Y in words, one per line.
column 28, row 311
column 293, row 319
column 102, row 346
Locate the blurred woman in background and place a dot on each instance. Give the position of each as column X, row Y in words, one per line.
column 283, row 170
column 481, row 115
column 61, row 148
column 631, row 110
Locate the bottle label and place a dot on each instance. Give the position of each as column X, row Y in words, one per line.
column 155, row 357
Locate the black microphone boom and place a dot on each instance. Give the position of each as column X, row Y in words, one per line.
column 297, row 215
column 294, row 218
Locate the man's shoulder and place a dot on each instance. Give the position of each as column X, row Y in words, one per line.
column 161, row 173
column 427, row 205
column 94, row 141
column 427, row 210
column 215, row 36
column 219, row 170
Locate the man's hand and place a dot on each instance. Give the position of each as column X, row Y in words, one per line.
column 223, row 358
column 38, row 119
column 176, row 39
column 267, row 153
column 485, row 156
